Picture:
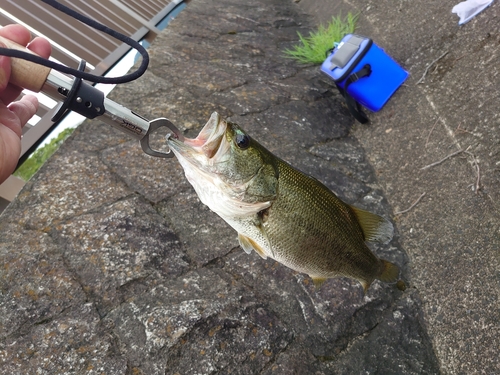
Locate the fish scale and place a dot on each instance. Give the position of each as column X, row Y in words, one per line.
column 313, row 231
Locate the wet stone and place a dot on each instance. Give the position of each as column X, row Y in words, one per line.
column 192, row 323
column 250, row 98
column 35, row 286
column 204, row 234
column 206, row 79
column 94, row 136
column 71, row 184
column 375, row 346
column 347, row 156
column 243, row 340
column 153, row 178
column 74, row 342
column 110, row 250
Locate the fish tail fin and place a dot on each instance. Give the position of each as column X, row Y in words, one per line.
column 389, row 272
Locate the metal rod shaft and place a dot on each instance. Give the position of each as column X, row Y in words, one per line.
column 57, row 85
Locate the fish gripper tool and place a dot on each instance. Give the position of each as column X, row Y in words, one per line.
column 76, row 95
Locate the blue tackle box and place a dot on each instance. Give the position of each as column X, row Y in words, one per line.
column 363, row 73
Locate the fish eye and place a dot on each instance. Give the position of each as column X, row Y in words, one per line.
column 242, row 140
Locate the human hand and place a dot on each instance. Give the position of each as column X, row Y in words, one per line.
column 15, row 114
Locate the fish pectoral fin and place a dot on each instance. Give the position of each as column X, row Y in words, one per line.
column 244, row 243
column 374, row 227
column 318, row 281
column 248, row 245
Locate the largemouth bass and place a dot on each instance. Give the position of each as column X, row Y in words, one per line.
column 280, row 212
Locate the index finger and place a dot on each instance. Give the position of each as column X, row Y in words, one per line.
column 20, row 35
column 17, row 33
column 4, row 70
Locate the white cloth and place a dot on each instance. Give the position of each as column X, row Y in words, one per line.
column 466, row 10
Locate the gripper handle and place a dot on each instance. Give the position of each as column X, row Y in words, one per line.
column 25, row 74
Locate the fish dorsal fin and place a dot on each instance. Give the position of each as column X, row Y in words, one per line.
column 375, row 228
column 248, row 245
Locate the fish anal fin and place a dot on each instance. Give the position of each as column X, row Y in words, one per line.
column 389, row 272
column 318, row 281
column 374, row 227
column 248, row 245
column 365, row 284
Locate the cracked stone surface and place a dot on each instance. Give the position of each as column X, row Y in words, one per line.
column 109, row 264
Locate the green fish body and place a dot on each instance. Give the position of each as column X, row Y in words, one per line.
column 279, row 211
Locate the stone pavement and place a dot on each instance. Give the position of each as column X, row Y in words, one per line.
column 110, row 264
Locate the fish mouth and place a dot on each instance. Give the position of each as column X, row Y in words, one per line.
column 207, row 142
